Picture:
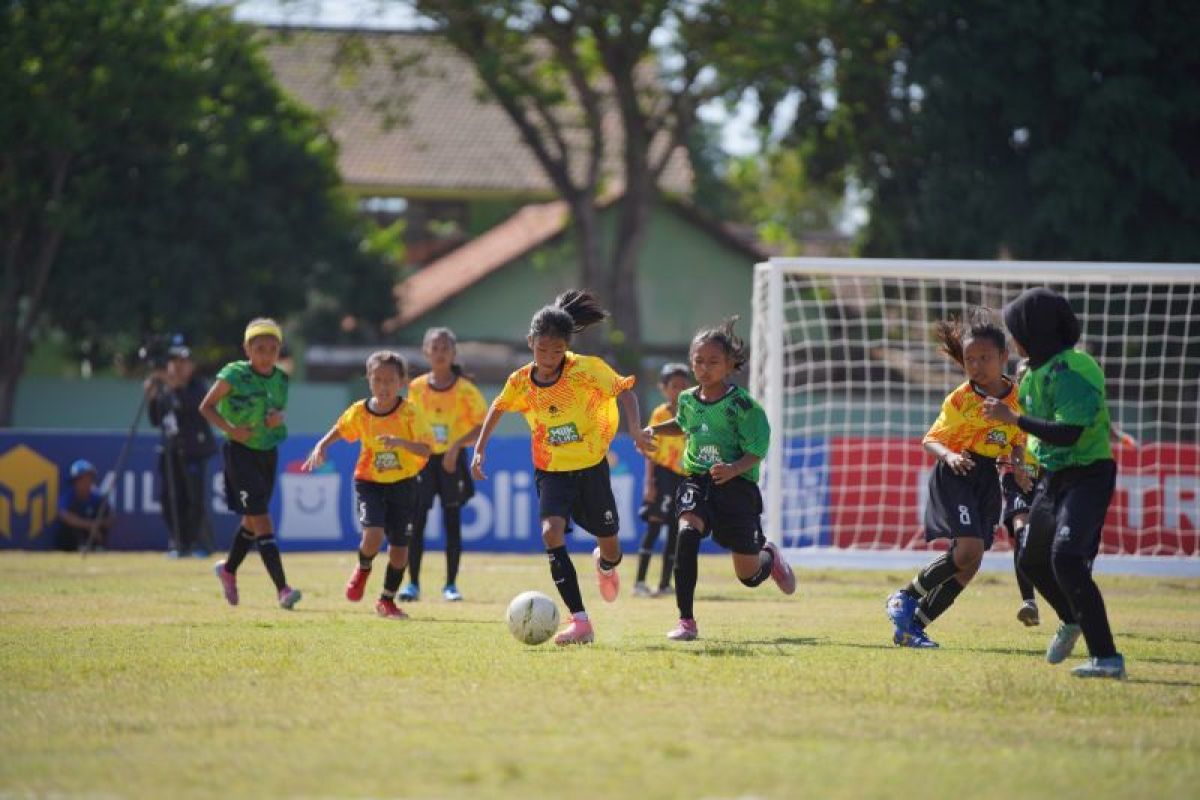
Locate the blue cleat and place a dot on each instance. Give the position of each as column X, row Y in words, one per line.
column 451, row 593
column 1109, row 667
column 410, row 593
column 1063, row 643
column 901, row 608
column 916, row 637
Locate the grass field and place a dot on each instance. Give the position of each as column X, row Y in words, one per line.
column 127, row 675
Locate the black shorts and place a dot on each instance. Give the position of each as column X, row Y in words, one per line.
column 249, row 478
column 1016, row 500
column 662, row 507
column 455, row 488
column 390, row 506
column 1075, row 501
column 964, row 505
column 732, row 511
column 582, row 495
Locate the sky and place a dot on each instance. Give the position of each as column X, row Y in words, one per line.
column 737, row 126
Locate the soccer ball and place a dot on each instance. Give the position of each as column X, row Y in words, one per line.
column 532, row 617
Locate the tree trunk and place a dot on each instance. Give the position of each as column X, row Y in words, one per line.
column 632, row 227
column 10, row 377
column 585, row 223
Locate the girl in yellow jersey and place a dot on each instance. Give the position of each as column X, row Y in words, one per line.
column 664, row 472
column 454, row 408
column 395, row 441
column 964, row 502
column 570, row 402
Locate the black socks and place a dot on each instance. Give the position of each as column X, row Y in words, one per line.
column 937, row 572
column 765, row 562
column 269, row 551
column 237, row 551
column 687, row 568
column 565, row 579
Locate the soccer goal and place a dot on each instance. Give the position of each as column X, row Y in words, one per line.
column 844, row 362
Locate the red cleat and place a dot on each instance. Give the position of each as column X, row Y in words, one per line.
column 389, row 610
column 357, row 584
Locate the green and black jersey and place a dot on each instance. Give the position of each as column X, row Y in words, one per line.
column 722, row 430
column 251, row 397
column 1068, row 389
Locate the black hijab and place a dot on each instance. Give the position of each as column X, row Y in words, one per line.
column 1043, row 324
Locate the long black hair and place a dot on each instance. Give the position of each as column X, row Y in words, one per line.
column 572, row 312
column 729, row 341
column 952, row 334
column 432, row 335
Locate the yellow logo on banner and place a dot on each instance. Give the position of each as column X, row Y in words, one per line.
column 28, row 487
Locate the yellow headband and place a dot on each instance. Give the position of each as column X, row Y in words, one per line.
column 263, row 329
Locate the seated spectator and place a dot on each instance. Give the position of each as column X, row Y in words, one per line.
column 84, row 516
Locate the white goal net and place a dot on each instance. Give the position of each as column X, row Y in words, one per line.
column 844, row 361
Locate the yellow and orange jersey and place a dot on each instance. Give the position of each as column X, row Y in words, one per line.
column 573, row 420
column 670, row 448
column 961, row 426
column 376, row 462
column 452, row 412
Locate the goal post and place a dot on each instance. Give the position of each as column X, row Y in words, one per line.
column 843, row 360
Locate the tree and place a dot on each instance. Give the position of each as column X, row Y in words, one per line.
column 153, row 178
column 980, row 129
column 561, row 71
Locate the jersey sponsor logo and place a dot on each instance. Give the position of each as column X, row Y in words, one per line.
column 997, row 436
column 441, row 433
column 563, row 434
column 709, row 454
column 385, row 460
column 28, row 487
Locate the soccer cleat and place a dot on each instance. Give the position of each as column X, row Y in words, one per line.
column 916, row 637
column 451, row 594
column 900, row 609
column 1028, row 614
column 608, row 581
column 781, row 571
column 288, row 597
column 228, row 582
column 685, row 631
column 665, row 591
column 578, row 632
column 357, row 584
column 1063, row 643
column 173, row 554
column 640, row 589
column 410, row 593
column 199, row 552
column 1108, row 667
column 388, row 609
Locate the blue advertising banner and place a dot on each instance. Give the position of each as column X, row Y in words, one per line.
column 313, row 511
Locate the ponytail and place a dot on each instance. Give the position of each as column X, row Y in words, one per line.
column 572, row 312
column 952, row 334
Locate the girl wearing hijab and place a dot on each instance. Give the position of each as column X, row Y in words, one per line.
column 1067, row 420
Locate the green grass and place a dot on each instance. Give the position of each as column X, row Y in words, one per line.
column 127, row 675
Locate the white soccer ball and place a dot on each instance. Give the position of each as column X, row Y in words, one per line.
column 532, row 617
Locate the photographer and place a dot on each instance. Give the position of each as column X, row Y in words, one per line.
column 173, row 394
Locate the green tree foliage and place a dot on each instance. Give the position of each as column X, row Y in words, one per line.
column 986, row 128
column 153, row 178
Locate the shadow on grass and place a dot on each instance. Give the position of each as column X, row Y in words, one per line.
column 1172, row 684
column 1144, row 637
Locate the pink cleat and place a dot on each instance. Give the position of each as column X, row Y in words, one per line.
column 781, row 571
column 357, row 584
column 389, row 610
column 228, row 582
column 685, row 631
column 288, row 597
column 578, row 632
column 610, row 581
